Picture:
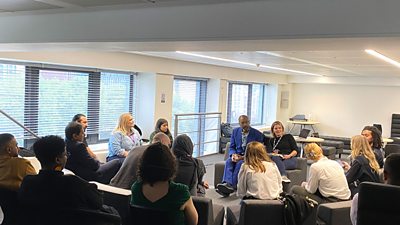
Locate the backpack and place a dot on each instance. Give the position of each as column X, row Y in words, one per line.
column 296, row 208
column 226, row 130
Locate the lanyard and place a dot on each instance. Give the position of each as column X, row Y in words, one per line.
column 276, row 144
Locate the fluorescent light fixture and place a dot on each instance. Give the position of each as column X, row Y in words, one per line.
column 246, row 63
column 382, row 57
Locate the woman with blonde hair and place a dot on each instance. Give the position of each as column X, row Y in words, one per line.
column 364, row 166
column 123, row 139
column 259, row 177
column 326, row 180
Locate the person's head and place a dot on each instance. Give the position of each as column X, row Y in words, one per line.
column 244, row 122
column 163, row 138
column 81, row 118
column 254, row 156
column 182, row 146
column 74, row 132
column 391, row 169
column 277, row 129
column 8, row 145
column 162, row 126
column 157, row 164
column 125, row 123
column 51, row 153
column 313, row 151
column 373, row 135
column 360, row 146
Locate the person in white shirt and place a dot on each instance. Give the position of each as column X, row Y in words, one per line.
column 327, row 181
column 259, row 177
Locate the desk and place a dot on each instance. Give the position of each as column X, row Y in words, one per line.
column 307, row 140
column 302, row 124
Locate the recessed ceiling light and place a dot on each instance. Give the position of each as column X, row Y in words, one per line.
column 246, row 63
column 382, row 57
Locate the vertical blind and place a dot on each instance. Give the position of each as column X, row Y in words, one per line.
column 12, row 90
column 46, row 99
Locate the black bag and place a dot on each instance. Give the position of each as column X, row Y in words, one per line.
column 296, row 208
column 226, row 130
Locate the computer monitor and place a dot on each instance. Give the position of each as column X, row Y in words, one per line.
column 379, row 126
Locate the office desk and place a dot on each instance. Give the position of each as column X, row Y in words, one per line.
column 307, row 140
column 302, row 124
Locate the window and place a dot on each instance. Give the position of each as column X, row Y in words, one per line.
column 44, row 99
column 62, row 94
column 246, row 99
column 12, row 91
column 115, row 98
column 189, row 96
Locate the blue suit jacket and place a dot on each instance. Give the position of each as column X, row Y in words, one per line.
column 236, row 140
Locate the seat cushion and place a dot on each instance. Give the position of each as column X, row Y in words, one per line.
column 218, row 212
column 218, row 172
column 232, row 215
column 336, row 213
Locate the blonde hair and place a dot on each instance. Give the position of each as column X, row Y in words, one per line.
column 360, row 146
column 313, row 151
column 122, row 124
column 255, row 155
column 279, row 123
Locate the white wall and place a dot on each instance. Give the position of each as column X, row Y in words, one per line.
column 146, row 84
column 344, row 110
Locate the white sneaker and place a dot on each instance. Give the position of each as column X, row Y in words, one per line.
column 285, row 179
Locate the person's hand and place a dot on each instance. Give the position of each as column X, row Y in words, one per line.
column 286, row 157
column 346, row 166
column 234, row 157
column 240, row 157
column 303, row 184
column 206, row 185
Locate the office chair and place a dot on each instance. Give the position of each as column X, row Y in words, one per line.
column 9, row 206
column 141, row 215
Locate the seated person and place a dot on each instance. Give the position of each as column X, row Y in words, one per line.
column 326, row 181
column 239, row 139
column 81, row 163
column 127, row 174
column 259, row 178
column 391, row 175
column 123, row 139
column 374, row 138
column 51, row 187
column 80, row 118
column 155, row 188
column 190, row 170
column 161, row 126
column 364, row 166
column 12, row 168
column 284, row 149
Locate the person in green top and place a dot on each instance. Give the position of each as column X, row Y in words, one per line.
column 155, row 188
column 161, row 126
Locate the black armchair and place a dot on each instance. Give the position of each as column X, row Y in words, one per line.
column 141, row 215
column 9, row 206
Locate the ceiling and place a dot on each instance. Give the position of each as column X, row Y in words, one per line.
column 328, row 57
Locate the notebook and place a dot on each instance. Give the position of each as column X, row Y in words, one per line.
column 304, row 133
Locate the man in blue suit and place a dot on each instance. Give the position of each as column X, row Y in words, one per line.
column 239, row 139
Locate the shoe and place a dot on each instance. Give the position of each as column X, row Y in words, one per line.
column 221, row 193
column 285, row 179
column 225, row 188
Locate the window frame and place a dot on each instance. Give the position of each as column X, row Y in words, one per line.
column 249, row 102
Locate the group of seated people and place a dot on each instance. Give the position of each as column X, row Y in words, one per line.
column 257, row 166
column 162, row 174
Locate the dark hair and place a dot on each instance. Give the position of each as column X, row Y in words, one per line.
column 392, row 168
column 376, row 136
column 243, row 116
column 77, row 117
column 160, row 122
column 48, row 148
column 72, row 128
column 157, row 164
column 4, row 140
